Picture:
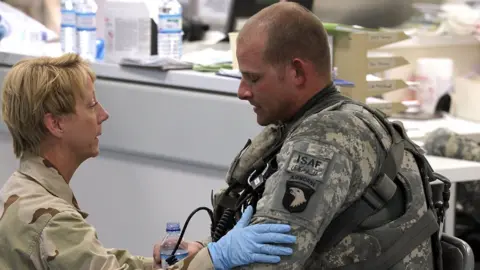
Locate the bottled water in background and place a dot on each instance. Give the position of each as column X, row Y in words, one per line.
column 86, row 11
column 68, row 27
column 170, row 31
column 4, row 28
column 169, row 242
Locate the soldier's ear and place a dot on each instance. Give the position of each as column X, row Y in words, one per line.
column 297, row 71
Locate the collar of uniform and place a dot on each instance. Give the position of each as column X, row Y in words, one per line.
column 45, row 174
column 320, row 96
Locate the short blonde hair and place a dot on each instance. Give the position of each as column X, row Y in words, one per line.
column 34, row 87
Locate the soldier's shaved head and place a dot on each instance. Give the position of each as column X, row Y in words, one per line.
column 288, row 30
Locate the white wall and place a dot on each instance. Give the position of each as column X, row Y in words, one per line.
column 130, row 199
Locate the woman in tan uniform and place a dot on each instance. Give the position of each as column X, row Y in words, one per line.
column 55, row 121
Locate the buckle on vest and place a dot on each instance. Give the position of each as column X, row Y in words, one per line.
column 257, row 182
column 442, row 205
column 381, row 192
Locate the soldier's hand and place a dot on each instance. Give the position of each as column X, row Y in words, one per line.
column 191, row 247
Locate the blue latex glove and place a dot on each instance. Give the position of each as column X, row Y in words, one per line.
column 251, row 244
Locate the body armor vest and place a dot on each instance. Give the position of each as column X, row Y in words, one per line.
column 383, row 200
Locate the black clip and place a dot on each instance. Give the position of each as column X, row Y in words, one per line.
column 257, row 182
column 443, row 205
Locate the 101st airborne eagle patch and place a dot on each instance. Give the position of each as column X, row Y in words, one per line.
column 296, row 196
column 306, row 171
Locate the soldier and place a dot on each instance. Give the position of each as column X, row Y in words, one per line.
column 323, row 159
column 55, row 120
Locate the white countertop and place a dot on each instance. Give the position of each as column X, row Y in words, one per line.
column 418, row 129
column 181, row 79
column 454, row 169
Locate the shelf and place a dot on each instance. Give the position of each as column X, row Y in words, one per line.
column 433, row 41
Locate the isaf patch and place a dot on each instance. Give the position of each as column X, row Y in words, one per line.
column 306, row 172
column 307, row 167
column 296, row 196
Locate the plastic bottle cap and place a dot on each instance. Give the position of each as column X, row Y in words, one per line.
column 173, row 226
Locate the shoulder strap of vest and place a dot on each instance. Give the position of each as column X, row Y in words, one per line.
column 431, row 223
column 375, row 198
column 383, row 196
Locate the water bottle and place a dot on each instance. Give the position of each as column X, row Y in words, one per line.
column 68, row 27
column 86, row 11
column 4, row 28
column 170, row 31
column 169, row 242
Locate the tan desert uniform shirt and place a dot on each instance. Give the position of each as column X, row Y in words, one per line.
column 42, row 227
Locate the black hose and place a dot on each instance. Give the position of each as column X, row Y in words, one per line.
column 173, row 259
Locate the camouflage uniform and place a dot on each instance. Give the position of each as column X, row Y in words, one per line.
column 446, row 143
column 324, row 165
column 42, row 227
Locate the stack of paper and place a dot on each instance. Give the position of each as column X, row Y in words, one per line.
column 155, row 61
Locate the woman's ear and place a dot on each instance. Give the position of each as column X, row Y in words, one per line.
column 54, row 124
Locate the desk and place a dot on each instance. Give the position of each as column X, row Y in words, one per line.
column 185, row 113
column 457, row 171
column 454, row 169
